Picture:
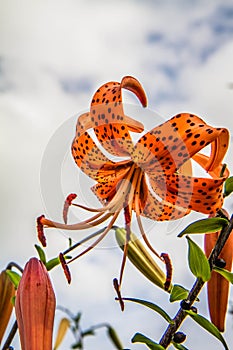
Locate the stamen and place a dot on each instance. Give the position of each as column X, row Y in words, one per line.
column 128, row 213
column 65, row 267
column 145, row 237
column 40, row 230
column 117, row 289
column 108, row 228
column 168, row 263
column 78, row 226
column 137, row 211
column 67, row 204
column 84, row 240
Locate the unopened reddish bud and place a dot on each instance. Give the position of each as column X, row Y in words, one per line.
column 35, row 307
column 218, row 286
column 7, row 292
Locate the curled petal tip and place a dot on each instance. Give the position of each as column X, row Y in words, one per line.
column 133, row 85
column 65, row 267
column 40, row 231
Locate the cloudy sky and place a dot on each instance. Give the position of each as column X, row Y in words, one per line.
column 53, row 56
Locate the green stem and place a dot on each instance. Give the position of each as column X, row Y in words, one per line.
column 181, row 314
column 14, row 264
column 10, row 336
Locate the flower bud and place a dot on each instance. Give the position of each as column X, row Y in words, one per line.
column 35, row 307
column 62, row 329
column 218, row 286
column 141, row 259
column 7, row 292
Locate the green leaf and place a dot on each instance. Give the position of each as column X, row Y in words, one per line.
column 178, row 293
column 205, row 226
column 13, row 300
column 198, row 262
column 228, row 186
column 226, row 274
column 140, row 338
column 54, row 262
column 153, row 307
column 14, row 277
column 179, row 346
column 114, row 338
column 41, row 253
column 208, row 326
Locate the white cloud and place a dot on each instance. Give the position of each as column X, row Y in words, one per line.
column 53, row 57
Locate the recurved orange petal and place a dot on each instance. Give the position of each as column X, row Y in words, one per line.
column 196, row 193
column 161, row 210
column 107, row 117
column 110, row 179
column 89, row 157
column 167, row 147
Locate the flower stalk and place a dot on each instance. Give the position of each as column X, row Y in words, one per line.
column 198, row 285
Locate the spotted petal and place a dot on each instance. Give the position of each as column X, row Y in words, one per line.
column 164, row 149
column 160, row 210
column 107, row 117
column 89, row 157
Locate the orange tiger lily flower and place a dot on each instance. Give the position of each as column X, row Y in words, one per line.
column 35, row 307
column 218, row 286
column 152, row 180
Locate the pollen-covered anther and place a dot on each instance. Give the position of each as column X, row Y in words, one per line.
column 119, row 297
column 67, row 204
column 168, row 264
column 40, row 230
column 65, row 267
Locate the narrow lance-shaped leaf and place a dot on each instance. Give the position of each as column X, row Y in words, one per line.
column 208, row 326
column 41, row 253
column 178, row 293
column 140, row 338
column 226, row 274
column 114, row 338
column 204, row 226
column 151, row 306
column 62, row 329
column 14, row 277
column 54, row 262
column 198, row 262
column 179, row 346
column 228, row 186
